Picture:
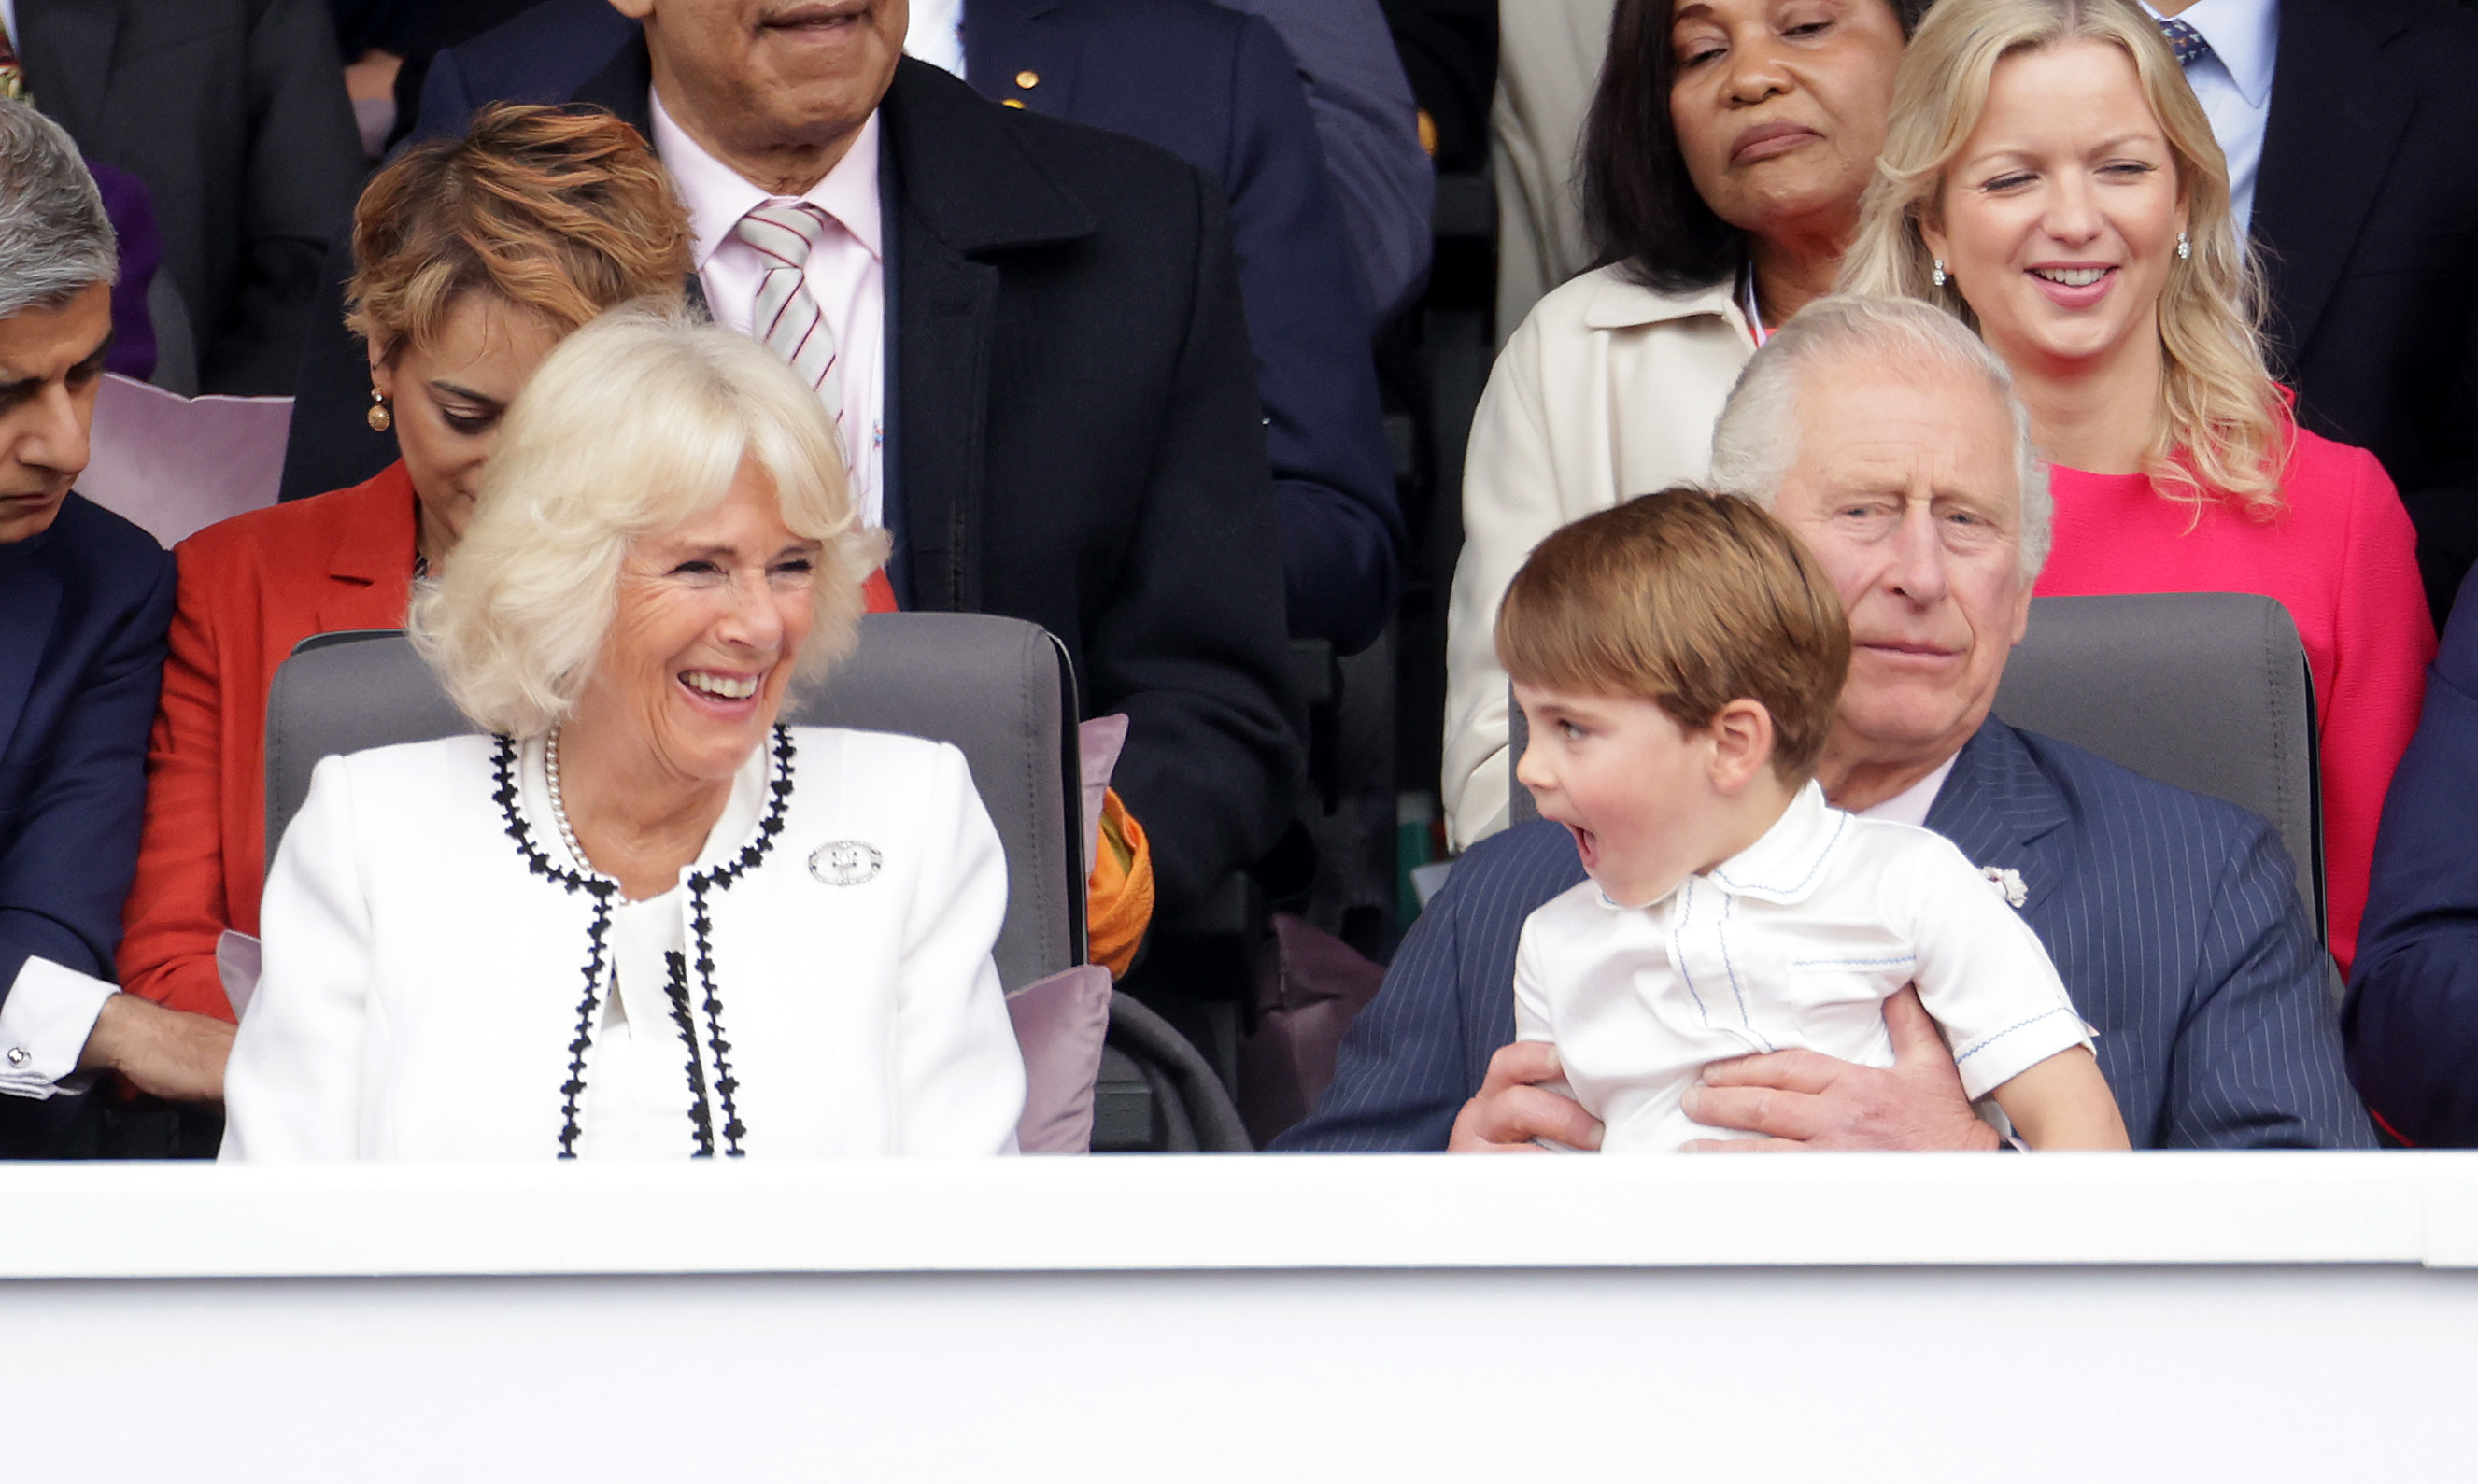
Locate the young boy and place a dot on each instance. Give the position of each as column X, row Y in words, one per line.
column 1677, row 659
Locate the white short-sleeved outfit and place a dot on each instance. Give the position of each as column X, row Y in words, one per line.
column 1795, row 941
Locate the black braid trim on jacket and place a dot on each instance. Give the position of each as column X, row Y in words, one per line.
column 701, row 926
column 602, row 890
column 700, row 1115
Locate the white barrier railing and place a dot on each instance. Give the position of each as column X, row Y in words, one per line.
column 2258, row 1317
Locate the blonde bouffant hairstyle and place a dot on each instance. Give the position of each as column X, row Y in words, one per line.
column 634, row 425
column 2223, row 429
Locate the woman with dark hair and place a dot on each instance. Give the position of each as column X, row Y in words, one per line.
column 1729, row 146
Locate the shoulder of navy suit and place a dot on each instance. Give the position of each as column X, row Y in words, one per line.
column 82, row 611
column 1422, row 1046
column 2027, row 785
column 2176, row 919
column 91, row 583
column 542, row 55
column 94, row 551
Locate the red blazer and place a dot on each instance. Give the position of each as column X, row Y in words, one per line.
column 250, row 589
column 2343, row 559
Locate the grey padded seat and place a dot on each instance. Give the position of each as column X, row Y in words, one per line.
column 999, row 689
column 2206, row 691
column 1002, row 692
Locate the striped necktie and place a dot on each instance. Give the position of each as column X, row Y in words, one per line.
column 786, row 318
column 12, row 74
column 2185, row 41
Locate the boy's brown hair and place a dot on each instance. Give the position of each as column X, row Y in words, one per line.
column 1689, row 601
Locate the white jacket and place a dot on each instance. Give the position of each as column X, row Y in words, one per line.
column 428, row 948
column 1608, row 390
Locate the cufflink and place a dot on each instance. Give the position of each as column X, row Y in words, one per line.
column 19, row 1056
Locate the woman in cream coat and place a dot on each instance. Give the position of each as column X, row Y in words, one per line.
column 1722, row 166
column 638, row 920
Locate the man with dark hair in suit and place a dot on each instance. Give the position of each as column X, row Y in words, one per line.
column 1031, row 335
column 2348, row 126
column 85, row 597
column 233, row 112
column 1885, row 435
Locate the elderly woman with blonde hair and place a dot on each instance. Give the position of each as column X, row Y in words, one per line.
column 638, row 918
column 2049, row 178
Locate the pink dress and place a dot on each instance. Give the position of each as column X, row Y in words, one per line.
column 2343, row 559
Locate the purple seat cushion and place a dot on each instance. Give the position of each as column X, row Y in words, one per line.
column 1059, row 1022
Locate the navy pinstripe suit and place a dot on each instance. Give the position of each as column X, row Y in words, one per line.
column 2173, row 917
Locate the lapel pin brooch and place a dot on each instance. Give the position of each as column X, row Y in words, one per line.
column 845, row 863
column 2007, row 883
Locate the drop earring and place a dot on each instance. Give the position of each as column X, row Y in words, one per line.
column 380, row 418
column 1938, row 277
column 2185, row 249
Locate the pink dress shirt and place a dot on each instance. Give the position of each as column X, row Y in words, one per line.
column 845, row 274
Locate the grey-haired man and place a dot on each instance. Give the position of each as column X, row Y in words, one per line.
column 85, row 598
column 1886, row 437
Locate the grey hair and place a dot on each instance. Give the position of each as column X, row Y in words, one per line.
column 55, row 241
column 1755, row 442
column 636, row 424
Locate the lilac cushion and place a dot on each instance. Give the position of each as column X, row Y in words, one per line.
column 1100, row 741
column 1059, row 1022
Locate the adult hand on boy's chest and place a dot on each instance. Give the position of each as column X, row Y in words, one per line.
column 1796, row 1099
column 1807, row 1100
column 1510, row 1110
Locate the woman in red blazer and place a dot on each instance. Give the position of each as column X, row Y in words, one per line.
column 2048, row 176
column 472, row 258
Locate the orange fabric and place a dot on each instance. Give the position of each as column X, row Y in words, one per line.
column 250, row 589
column 1119, row 898
column 877, row 595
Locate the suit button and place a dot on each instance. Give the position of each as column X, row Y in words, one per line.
column 1027, row 79
column 19, row 1056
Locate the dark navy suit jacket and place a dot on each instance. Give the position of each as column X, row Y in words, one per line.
column 1218, row 89
column 2173, row 919
column 82, row 610
column 2411, row 1020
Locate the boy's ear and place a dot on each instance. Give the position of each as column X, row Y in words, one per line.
column 1742, row 743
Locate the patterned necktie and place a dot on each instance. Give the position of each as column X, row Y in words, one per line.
column 788, row 319
column 2185, row 41
column 13, row 74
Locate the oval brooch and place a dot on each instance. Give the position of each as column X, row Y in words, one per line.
column 845, row 863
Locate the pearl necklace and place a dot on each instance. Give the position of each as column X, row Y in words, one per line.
column 559, row 806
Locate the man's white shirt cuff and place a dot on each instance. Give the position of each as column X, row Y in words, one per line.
column 44, row 1024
